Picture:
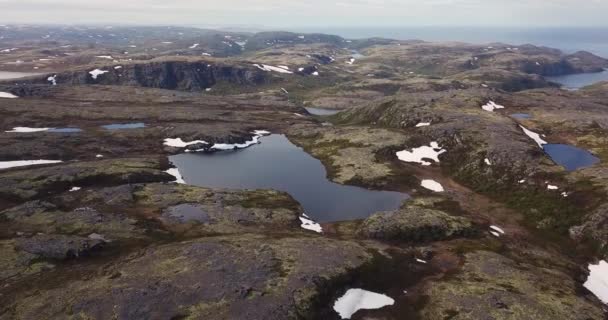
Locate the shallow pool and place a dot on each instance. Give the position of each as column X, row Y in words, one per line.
column 278, row 164
column 321, row 111
column 570, row 157
column 122, row 126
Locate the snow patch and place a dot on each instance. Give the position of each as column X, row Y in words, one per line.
column 268, row 68
column 432, row 185
column 497, row 229
column 7, row 95
column 491, row 106
column 105, row 57
column 358, row 299
column 97, row 72
column 179, row 143
column 421, row 261
column 597, row 282
column 487, row 161
column 534, row 136
column 178, row 176
column 28, row 129
column 23, row 163
column 423, row 124
column 309, row 224
column 194, row 46
column 52, row 80
column 551, row 187
column 418, row 155
column 74, row 189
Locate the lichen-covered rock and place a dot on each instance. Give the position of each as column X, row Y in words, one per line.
column 15, row 264
column 42, row 217
column 238, row 277
column 491, row 286
column 413, row 223
column 34, row 182
column 58, row 247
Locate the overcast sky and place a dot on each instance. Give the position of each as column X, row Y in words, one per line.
column 310, row 13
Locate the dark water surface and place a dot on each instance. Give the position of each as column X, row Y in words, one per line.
column 579, row 80
column 278, row 164
column 570, row 157
column 65, row 130
column 121, row 126
column 321, row 111
column 521, row 116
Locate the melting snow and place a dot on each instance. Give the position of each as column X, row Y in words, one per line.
column 316, row 73
column 179, row 143
column 27, row 129
column 418, row 155
column 23, row 163
column 229, row 146
column 52, row 80
column 534, row 136
column 423, row 124
column 496, row 234
column 497, row 229
column 74, row 189
column 272, row 68
column 309, row 224
column 491, row 106
column 597, row 282
column 105, row 57
column 487, row 161
column 118, row 67
column 432, row 185
column 99, row 156
column 178, row 176
column 550, row 187
column 194, row 46
column 421, row 261
column 357, row 299
column 7, row 95
column 351, row 61
column 95, row 73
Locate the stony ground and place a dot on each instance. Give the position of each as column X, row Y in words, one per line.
column 116, row 247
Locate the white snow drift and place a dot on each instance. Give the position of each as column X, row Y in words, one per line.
column 97, row 72
column 357, row 299
column 432, row 185
column 178, row 176
column 534, row 136
column 23, row 163
column 309, row 224
column 418, row 155
column 179, row 143
column 27, row 130
column 7, row 95
column 598, row 280
column 491, row 106
column 268, row 68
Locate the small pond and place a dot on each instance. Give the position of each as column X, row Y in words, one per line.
column 123, row 126
column 579, row 80
column 65, row 130
column 322, row 112
column 570, row 157
column 521, row 116
column 278, row 164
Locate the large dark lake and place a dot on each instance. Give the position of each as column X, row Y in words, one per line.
column 278, row 164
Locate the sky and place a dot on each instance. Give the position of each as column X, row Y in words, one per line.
column 310, row 13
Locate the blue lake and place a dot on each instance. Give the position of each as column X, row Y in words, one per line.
column 579, row 80
column 570, row 157
column 278, row 164
column 122, row 126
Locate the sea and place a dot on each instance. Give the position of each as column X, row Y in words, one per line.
column 567, row 39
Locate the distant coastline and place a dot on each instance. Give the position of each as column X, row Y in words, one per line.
column 567, row 39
